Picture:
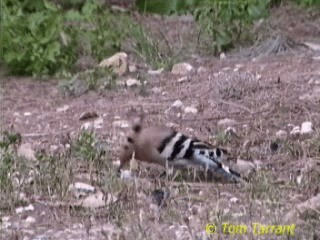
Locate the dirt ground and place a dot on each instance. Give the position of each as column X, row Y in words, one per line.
column 263, row 95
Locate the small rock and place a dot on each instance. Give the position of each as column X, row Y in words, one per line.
column 295, row 131
column 226, row 122
column 306, row 128
column 258, row 76
column 30, row 208
column 183, row 79
column 201, row 70
column 23, row 197
column 177, row 104
column 80, row 189
column 120, row 124
column 86, row 126
column 132, row 82
column 118, row 63
column 234, row 200
column 27, row 114
column 181, row 68
column 96, row 200
column 156, row 72
column 63, row 109
column 230, row 131
column 156, row 90
column 126, row 174
column 26, row 151
column 258, row 164
column 222, row 56
column 190, row 109
column 97, row 124
column 281, row 134
column 299, row 179
column 244, row 167
column 53, row 148
column 132, row 68
column 30, row 220
column 313, row 46
column 5, row 224
column 88, row 115
column 316, row 58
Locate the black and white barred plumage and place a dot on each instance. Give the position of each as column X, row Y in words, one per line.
column 165, row 146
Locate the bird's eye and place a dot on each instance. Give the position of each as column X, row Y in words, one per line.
column 130, row 140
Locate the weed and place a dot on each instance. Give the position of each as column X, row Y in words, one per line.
column 226, row 22
column 47, row 39
column 148, row 49
column 96, row 79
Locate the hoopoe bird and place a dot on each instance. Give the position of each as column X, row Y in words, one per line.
column 166, row 147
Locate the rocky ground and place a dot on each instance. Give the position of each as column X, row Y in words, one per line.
column 263, row 109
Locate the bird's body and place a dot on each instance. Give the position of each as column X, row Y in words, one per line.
column 164, row 146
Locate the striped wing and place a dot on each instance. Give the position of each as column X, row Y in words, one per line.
column 180, row 150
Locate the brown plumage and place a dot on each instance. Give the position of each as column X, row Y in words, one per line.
column 162, row 145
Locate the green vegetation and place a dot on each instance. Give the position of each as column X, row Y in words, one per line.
column 148, row 49
column 226, row 22
column 41, row 38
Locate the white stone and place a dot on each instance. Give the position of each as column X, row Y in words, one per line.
column 234, row 200
column 6, row 225
column 26, row 151
column 132, row 82
column 230, row 130
column 222, row 56
column 177, row 104
column 118, row 63
column 244, row 167
column 24, row 209
column 132, row 68
column 64, row 108
column 190, row 109
column 87, row 125
column 226, row 122
column 97, row 124
column 306, row 128
column 313, row 46
column 156, row 90
column 30, row 207
column 299, row 179
column 96, row 200
column 126, row 174
column 120, row 124
column 295, row 131
column 156, row 72
column 316, row 58
column 27, row 114
column 183, row 79
column 181, row 68
column 201, row 70
column 30, row 220
column 281, row 134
